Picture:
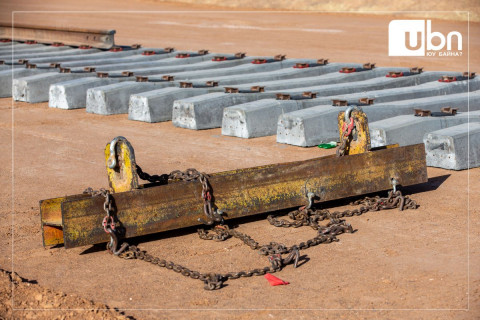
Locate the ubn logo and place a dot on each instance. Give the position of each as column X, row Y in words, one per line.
column 411, row 38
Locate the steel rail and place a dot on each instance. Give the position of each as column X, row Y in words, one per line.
column 102, row 39
column 77, row 220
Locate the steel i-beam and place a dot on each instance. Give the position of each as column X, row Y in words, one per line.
column 143, row 209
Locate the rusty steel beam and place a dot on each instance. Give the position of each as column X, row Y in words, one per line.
column 102, row 39
column 77, row 220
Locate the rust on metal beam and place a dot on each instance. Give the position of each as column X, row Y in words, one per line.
column 103, row 39
column 77, row 220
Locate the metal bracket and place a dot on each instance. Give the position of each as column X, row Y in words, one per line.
column 121, row 165
column 359, row 139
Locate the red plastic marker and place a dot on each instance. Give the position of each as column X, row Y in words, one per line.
column 274, row 281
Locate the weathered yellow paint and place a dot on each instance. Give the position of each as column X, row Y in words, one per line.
column 51, row 211
column 52, row 235
column 245, row 192
column 359, row 141
column 124, row 176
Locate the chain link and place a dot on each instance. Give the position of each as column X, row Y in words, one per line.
column 212, row 213
column 108, row 220
column 304, row 216
column 346, row 134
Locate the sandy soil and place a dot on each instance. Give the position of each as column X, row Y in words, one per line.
column 341, row 37
column 461, row 10
column 415, row 264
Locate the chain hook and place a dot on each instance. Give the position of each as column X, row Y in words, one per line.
column 311, row 196
column 113, row 244
column 394, row 184
column 112, row 160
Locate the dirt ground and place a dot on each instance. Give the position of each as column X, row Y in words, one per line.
column 416, row 264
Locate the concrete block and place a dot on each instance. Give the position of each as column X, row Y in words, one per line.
column 204, row 57
column 72, row 94
column 308, row 127
column 7, row 77
column 325, row 79
column 247, row 68
column 315, row 125
column 66, row 55
column 454, row 148
column 206, row 111
column 11, row 66
column 199, row 67
column 83, row 54
column 156, row 105
column 379, row 83
column 168, row 65
column 19, row 47
column 114, row 98
column 280, row 74
column 409, row 129
column 136, row 58
column 34, row 53
column 35, row 88
column 255, row 119
column 8, row 44
column 426, row 89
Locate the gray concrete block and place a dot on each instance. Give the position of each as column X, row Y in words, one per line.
column 114, row 98
column 34, row 53
column 247, row 68
column 255, row 119
column 409, row 129
column 126, row 101
column 206, row 111
column 72, row 94
column 378, row 83
column 8, row 44
column 159, row 67
column 428, row 89
column 7, row 77
column 207, row 108
column 82, row 54
column 35, row 88
column 454, row 148
column 200, row 67
column 64, row 56
column 156, row 105
column 137, row 58
column 280, row 74
column 325, row 79
column 19, row 47
column 315, row 125
column 308, row 127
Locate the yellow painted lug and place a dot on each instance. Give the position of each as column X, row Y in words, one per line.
column 359, row 140
column 123, row 177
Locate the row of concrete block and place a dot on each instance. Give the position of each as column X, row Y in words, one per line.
column 189, row 113
column 143, row 104
column 35, row 80
column 72, row 94
column 291, row 98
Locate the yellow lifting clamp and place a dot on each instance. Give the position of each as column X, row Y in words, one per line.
column 121, row 165
column 354, row 133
